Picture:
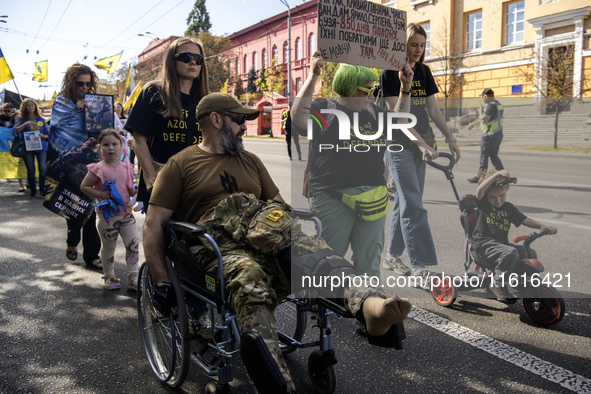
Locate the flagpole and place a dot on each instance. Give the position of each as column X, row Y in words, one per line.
column 16, row 87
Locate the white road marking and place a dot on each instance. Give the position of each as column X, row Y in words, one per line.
column 558, row 222
column 565, row 378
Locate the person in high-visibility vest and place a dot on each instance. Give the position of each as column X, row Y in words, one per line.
column 286, row 126
column 491, row 124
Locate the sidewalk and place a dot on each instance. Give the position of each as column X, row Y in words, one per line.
column 517, row 145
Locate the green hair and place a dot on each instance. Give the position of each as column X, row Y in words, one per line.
column 348, row 78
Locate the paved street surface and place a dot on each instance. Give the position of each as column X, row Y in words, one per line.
column 62, row 332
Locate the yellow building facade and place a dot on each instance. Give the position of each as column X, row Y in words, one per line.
column 502, row 45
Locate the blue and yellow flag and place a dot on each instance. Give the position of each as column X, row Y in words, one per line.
column 129, row 82
column 5, row 73
column 134, row 95
column 108, row 63
column 40, row 71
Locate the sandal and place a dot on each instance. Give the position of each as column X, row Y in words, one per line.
column 72, row 254
column 96, row 264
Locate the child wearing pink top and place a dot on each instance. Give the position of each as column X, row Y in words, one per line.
column 111, row 168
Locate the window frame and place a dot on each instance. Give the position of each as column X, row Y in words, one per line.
column 467, row 31
column 514, row 24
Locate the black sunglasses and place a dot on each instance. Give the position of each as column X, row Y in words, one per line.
column 186, row 57
column 82, row 83
column 238, row 119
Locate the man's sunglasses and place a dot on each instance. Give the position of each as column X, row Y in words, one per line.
column 186, row 57
column 82, row 83
column 370, row 92
column 239, row 119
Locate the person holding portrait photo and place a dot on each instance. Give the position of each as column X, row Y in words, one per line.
column 31, row 120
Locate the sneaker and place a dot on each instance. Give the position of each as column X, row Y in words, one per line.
column 502, row 294
column 394, row 263
column 112, row 283
column 423, row 278
column 132, row 281
column 474, row 179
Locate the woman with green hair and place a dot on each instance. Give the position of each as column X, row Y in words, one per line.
column 340, row 166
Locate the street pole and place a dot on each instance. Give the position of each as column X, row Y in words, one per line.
column 284, row 2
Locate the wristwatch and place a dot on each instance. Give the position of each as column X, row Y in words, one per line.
column 404, row 91
column 452, row 139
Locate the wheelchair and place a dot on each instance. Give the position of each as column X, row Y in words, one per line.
column 173, row 341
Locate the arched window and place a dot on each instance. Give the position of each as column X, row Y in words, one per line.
column 298, row 48
column 311, row 44
column 275, row 54
column 285, row 52
column 238, row 66
column 255, row 60
column 245, row 63
column 264, row 58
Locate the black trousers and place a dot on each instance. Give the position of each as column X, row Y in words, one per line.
column 489, row 149
column 91, row 241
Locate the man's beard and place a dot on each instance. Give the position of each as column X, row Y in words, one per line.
column 230, row 142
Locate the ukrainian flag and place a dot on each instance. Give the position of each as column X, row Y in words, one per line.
column 129, row 82
column 108, row 63
column 40, row 71
column 134, row 95
column 5, row 73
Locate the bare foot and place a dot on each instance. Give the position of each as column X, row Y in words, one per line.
column 381, row 313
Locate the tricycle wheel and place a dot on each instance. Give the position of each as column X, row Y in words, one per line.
column 212, row 388
column 323, row 377
column 445, row 293
column 544, row 304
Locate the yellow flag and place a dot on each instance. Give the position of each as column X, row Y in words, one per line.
column 108, row 63
column 5, row 73
column 40, row 71
column 54, row 95
column 134, row 96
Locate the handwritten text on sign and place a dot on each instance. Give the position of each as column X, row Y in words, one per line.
column 361, row 32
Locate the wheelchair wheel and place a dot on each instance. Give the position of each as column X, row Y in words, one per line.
column 165, row 338
column 544, row 304
column 323, row 378
column 291, row 321
column 445, row 294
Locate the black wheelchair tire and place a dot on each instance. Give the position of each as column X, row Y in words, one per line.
column 291, row 321
column 544, row 305
column 157, row 331
column 323, row 378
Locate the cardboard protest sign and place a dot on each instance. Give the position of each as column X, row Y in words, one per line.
column 362, row 33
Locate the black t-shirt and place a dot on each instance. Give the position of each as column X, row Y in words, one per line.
column 494, row 223
column 6, row 121
column 336, row 164
column 423, row 86
column 166, row 136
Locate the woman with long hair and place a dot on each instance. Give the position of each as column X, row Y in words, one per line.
column 67, row 132
column 163, row 118
column 409, row 226
column 31, row 120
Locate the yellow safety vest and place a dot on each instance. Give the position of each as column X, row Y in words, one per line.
column 495, row 124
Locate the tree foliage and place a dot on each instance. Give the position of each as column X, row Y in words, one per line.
column 271, row 79
column 328, row 71
column 553, row 80
column 449, row 61
column 251, row 81
column 217, row 59
column 198, row 19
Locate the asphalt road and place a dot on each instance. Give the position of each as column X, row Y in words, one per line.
column 62, row 332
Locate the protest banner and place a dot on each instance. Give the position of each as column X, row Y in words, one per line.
column 362, row 33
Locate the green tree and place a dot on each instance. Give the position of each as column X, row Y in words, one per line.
column 217, row 58
column 251, row 81
column 239, row 90
column 271, row 79
column 198, row 19
column 328, row 71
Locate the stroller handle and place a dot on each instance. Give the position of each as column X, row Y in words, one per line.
column 445, row 168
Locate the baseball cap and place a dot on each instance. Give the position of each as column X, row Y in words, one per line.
column 487, row 91
column 221, row 102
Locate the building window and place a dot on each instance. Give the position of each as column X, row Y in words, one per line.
column 255, row 60
column 285, row 52
column 298, row 85
column 264, row 52
column 237, row 66
column 514, row 22
column 311, row 44
column 427, row 27
column 275, row 54
column 245, row 63
column 474, row 31
column 298, row 47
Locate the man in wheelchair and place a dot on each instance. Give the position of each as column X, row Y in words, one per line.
column 202, row 177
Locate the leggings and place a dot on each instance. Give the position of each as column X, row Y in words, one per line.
column 109, row 232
